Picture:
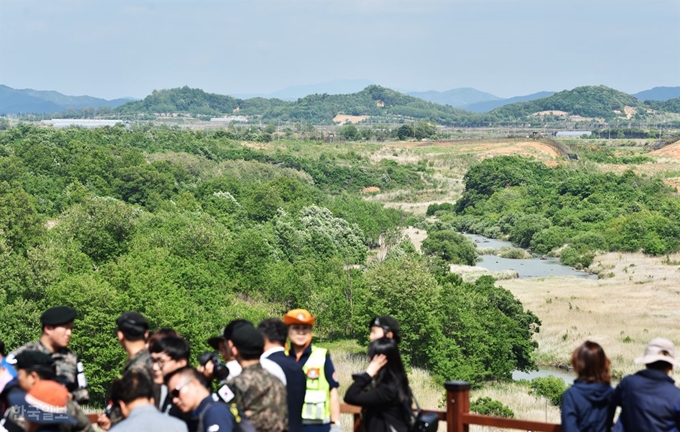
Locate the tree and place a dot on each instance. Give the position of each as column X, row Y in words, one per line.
column 450, row 246
column 349, row 132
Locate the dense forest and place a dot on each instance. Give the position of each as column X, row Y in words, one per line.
column 572, row 212
column 193, row 229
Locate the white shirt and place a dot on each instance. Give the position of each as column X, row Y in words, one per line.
column 271, row 366
column 235, row 369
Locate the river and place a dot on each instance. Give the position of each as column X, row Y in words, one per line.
column 526, row 268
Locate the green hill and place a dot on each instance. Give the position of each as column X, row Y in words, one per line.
column 671, row 105
column 374, row 101
column 587, row 101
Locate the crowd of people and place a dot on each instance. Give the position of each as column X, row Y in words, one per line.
column 271, row 377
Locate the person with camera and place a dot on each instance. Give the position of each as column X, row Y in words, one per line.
column 210, row 366
column 133, row 394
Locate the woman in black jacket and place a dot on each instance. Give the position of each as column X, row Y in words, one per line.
column 382, row 391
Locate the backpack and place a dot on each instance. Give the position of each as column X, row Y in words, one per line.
column 241, row 422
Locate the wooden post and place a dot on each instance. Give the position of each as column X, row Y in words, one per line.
column 457, row 404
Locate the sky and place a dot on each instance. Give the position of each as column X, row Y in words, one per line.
column 128, row 48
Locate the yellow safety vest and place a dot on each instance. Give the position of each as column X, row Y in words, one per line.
column 317, row 406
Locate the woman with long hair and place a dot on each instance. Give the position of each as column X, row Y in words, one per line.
column 382, row 391
column 586, row 406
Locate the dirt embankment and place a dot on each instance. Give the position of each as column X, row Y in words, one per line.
column 671, row 151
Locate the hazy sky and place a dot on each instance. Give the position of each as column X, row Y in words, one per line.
column 118, row 48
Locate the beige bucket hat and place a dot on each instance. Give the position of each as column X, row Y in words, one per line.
column 659, row 349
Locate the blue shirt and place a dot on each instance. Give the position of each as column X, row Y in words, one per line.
column 216, row 418
column 9, row 367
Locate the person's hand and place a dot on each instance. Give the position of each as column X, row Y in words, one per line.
column 377, row 363
column 335, row 427
column 104, row 422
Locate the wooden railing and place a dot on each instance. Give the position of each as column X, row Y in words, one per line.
column 458, row 417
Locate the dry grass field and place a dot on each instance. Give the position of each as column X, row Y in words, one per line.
column 636, row 299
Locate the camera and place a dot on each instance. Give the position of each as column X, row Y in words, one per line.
column 220, row 371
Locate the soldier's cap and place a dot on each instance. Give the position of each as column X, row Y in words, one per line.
column 388, row 324
column 299, row 316
column 246, row 337
column 132, row 323
column 45, row 403
column 57, row 316
column 29, row 358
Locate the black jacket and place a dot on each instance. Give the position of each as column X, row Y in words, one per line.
column 381, row 405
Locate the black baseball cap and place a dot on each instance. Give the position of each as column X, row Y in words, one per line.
column 388, row 324
column 58, row 315
column 132, row 323
column 246, row 337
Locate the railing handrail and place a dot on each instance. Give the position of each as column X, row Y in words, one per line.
column 457, row 415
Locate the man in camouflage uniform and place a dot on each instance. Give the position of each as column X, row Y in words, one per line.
column 57, row 325
column 33, row 367
column 133, row 331
column 260, row 395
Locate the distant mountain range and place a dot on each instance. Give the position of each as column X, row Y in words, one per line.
column 658, row 94
column 299, row 91
column 458, row 98
column 14, row 101
column 331, row 98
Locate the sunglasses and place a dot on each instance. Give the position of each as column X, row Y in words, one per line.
column 175, row 392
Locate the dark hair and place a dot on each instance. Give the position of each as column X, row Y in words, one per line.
column 660, row 365
column 591, row 363
column 176, row 348
column 2, row 348
column 132, row 386
column 161, row 333
column 187, row 371
column 393, row 373
column 274, row 330
column 45, row 372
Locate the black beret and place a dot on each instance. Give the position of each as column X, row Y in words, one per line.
column 28, row 359
column 389, row 324
column 132, row 323
column 246, row 337
column 58, row 315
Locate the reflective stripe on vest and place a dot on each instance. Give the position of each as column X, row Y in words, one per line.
column 317, row 406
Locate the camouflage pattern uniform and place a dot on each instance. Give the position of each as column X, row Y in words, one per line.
column 262, row 397
column 69, row 370
column 16, row 419
column 140, row 362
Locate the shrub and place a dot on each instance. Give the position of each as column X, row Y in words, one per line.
column 549, row 387
column 488, row 406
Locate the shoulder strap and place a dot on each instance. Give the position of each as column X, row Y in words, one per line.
column 201, row 414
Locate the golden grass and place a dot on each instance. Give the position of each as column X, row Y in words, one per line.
column 637, row 299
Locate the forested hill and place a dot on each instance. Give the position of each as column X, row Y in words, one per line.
column 672, row 105
column 587, row 101
column 318, row 109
